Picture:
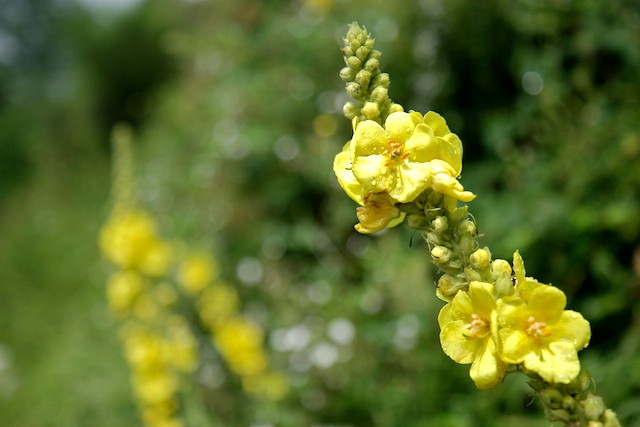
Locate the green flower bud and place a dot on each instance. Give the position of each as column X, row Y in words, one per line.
column 347, row 50
column 560, row 415
column 610, row 419
column 363, row 78
column 472, row 275
column 467, row 227
column 354, row 62
column 381, row 79
column 380, row 94
column 434, row 199
column 347, row 74
column 369, row 43
column 433, row 238
column 351, row 110
column 440, row 224
column 362, row 53
column 354, row 90
column 371, row 65
column 441, row 254
column 551, row 398
column 458, row 215
column 417, row 221
column 375, row 54
column 450, row 285
column 569, row 403
column 595, row 424
column 370, row 110
column 593, row 407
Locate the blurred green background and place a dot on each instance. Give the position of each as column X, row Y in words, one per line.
column 237, row 112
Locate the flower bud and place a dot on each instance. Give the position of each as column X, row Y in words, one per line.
column 370, row 110
column 417, row 221
column 363, row 78
column 354, row 90
column 395, row 108
column 459, row 214
column 499, row 265
column 347, row 50
column 380, row 94
column 381, row 79
column 551, row 398
column 468, row 228
column 369, row 43
column 593, row 407
column 371, row 65
column 450, row 285
column 569, row 403
column 375, row 54
column 351, row 110
column 354, row 62
column 560, row 415
column 472, row 275
column 433, row 238
column 595, row 424
column 347, row 74
column 361, row 53
column 480, row 258
column 440, row 224
column 441, row 254
column 610, row 419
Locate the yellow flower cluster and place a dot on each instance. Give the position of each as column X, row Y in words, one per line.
column 239, row 341
column 159, row 346
column 526, row 325
column 384, row 166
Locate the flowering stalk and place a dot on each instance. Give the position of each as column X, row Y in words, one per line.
column 401, row 165
column 150, row 276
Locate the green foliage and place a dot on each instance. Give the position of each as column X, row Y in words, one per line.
column 242, row 120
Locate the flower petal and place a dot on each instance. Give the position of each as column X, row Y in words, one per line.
column 450, row 150
column 372, row 173
column 399, row 126
column 411, row 180
column 515, row 345
column 456, row 345
column 436, row 122
column 342, row 165
column 369, row 138
column 547, row 304
column 557, row 363
column 572, row 328
column 422, row 146
column 481, row 295
column 487, row 369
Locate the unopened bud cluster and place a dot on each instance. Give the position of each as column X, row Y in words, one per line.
column 365, row 83
column 573, row 404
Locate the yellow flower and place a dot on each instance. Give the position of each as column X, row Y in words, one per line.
column 410, row 154
column 122, row 290
column 129, row 240
column 217, row 304
column 377, row 213
column 541, row 334
column 240, row 343
column 467, row 328
column 196, row 272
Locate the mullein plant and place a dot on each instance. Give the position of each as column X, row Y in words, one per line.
column 404, row 167
column 150, row 275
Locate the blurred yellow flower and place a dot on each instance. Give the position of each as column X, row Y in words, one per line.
column 196, row 272
column 271, row 385
column 467, row 328
column 129, row 240
column 217, row 304
column 541, row 334
column 122, row 290
column 240, row 343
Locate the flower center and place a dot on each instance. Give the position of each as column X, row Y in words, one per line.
column 478, row 328
column 394, row 152
column 536, row 329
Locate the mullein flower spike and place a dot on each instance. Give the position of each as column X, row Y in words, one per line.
column 403, row 165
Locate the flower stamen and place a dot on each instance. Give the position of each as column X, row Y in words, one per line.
column 536, row 329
